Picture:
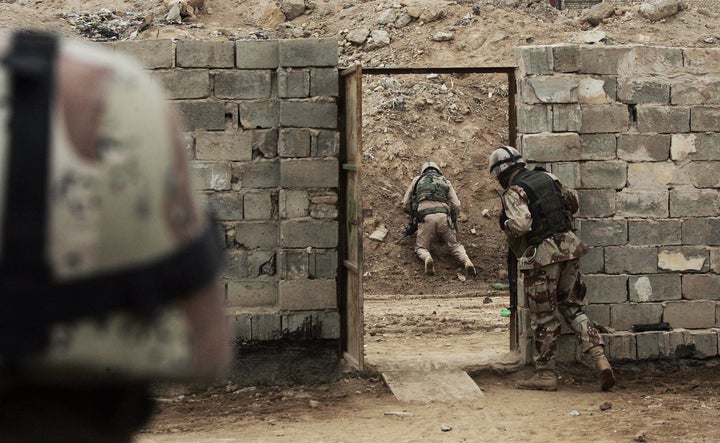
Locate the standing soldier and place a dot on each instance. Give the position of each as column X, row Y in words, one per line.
column 431, row 201
column 537, row 219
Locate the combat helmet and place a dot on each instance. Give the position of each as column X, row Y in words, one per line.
column 430, row 165
column 504, row 158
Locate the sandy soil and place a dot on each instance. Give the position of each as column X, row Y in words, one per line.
column 456, row 121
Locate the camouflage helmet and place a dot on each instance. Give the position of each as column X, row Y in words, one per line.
column 430, row 165
column 504, row 158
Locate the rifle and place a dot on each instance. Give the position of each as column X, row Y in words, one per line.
column 410, row 228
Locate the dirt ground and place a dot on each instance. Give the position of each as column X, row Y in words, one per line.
column 456, row 121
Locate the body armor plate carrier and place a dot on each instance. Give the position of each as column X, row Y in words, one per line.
column 430, row 186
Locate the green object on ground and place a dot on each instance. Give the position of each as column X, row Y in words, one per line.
column 500, row 286
column 504, row 312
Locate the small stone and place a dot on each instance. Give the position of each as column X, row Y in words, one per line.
column 445, row 428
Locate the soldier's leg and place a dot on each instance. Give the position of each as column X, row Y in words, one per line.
column 448, row 235
column 540, row 289
column 423, row 239
column 571, row 293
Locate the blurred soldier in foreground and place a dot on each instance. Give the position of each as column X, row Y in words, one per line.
column 537, row 219
column 107, row 262
column 433, row 206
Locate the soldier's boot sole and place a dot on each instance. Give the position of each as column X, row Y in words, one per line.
column 607, row 376
column 429, row 266
column 470, row 269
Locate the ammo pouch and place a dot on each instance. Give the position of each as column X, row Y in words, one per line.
column 130, row 323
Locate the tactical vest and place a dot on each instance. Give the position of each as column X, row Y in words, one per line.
column 547, row 206
column 433, row 187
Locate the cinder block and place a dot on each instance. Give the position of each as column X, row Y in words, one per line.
column 551, row 89
column 657, row 59
column 214, row 176
column 257, row 235
column 707, row 93
column 624, row 315
column 642, row 203
column 694, row 202
column 303, row 295
column 325, row 143
column 307, row 114
column 634, row 92
column 653, row 175
column 597, row 90
column 226, row 206
column 204, row 116
column 262, row 263
column 308, row 52
column 547, row 147
column 690, row 314
column 593, row 262
column 311, row 173
column 655, row 232
column 567, row 173
column 703, row 174
column 715, row 260
column 602, row 60
column 184, row 84
column 294, row 142
column 603, row 232
column 326, row 324
column 655, row 287
column 648, row 345
column 701, row 286
column 596, row 202
column 323, row 264
column 243, row 85
column 706, row 146
column 259, row 205
column 534, row 60
column 566, row 117
column 256, row 54
column 258, row 114
column 235, row 264
column 240, row 326
column 251, row 294
column 293, row 83
column 566, row 58
column 702, row 60
column 297, row 324
column 304, row 233
column 672, row 344
column 643, row 147
column 604, row 118
column 598, row 146
column 610, row 174
column 598, row 314
column 532, row 119
column 705, row 118
column 258, row 174
column 293, row 203
column 230, row 146
column 324, row 82
column 266, row 326
column 663, row 119
column 620, row 346
column 631, row 260
column 705, row 342
column 151, row 54
column 205, row 54
column 294, row 264
column 701, row 231
column 683, row 258
column 606, row 288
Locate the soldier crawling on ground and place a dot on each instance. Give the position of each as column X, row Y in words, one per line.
column 433, row 206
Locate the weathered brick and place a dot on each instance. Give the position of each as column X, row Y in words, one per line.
column 596, row 91
column 257, row 235
column 663, row 119
column 598, row 146
column 648, row 345
column 212, row 175
column 604, row 118
column 308, row 52
column 603, row 232
column 624, row 315
column 604, row 174
column 226, row 206
column 653, row 175
column 705, row 93
column 264, row 143
column 257, row 174
column 705, row 146
column 152, row 54
column 701, row 231
column 683, row 258
column 596, row 202
column 266, row 326
column 323, row 263
column 630, row 260
column 294, row 142
column 694, row 202
column 532, row 119
column 206, row 116
column 552, row 89
column 534, row 60
column 231, row 146
column 691, row 314
column 326, row 324
column 654, row 59
column 259, row 114
column 620, row 346
column 235, row 264
column 704, row 341
column 636, row 91
column 240, row 326
column 256, row 54
column 703, row 174
column 602, row 60
column 566, row 117
column 243, row 85
column 655, row 287
column 308, row 114
column 567, row 173
column 548, row 147
column 599, row 314
column 205, row 54
column 702, row 60
column 705, row 118
column 643, row 147
column 655, row 232
column 293, row 203
column 566, row 58
column 606, row 288
column 324, row 143
column 642, row 203
column 293, row 264
column 185, row 84
column 259, row 206
column 304, row 233
column 251, row 294
column 324, row 82
column 262, row 263
column 593, row 262
column 715, row 260
column 701, row 286
column 315, row 173
column 302, row 295
column 293, row 83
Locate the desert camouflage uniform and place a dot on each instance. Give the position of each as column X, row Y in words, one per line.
column 551, row 276
column 436, row 226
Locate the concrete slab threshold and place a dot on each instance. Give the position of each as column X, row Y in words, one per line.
column 439, row 377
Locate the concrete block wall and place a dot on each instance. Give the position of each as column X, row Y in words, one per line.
column 260, row 122
column 636, row 130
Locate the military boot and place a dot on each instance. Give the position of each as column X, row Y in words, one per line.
column 469, row 268
column 605, row 371
column 543, row 380
column 429, row 266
